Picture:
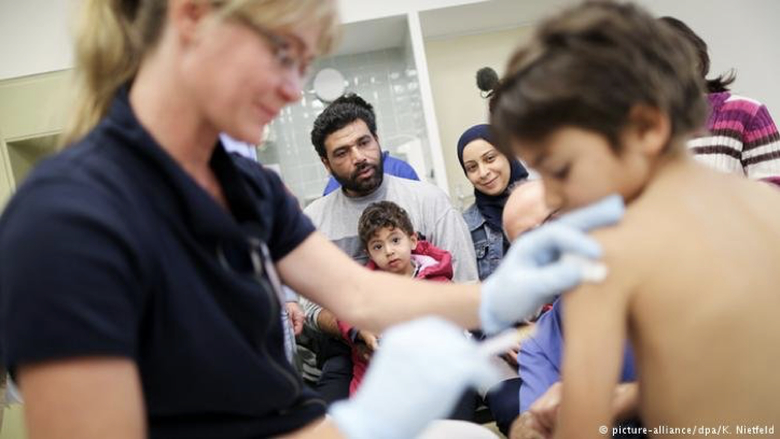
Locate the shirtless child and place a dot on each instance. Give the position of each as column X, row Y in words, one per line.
column 601, row 100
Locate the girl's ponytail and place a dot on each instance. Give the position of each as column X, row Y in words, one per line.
column 107, row 55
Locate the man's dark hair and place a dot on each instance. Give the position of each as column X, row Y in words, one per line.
column 716, row 85
column 380, row 215
column 340, row 113
column 590, row 67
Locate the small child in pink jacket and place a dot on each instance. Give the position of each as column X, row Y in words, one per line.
column 393, row 246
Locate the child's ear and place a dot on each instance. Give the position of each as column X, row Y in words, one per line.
column 649, row 129
column 413, row 239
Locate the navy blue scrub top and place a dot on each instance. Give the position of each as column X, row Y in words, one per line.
column 111, row 249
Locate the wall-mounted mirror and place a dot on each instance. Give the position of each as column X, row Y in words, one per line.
column 329, row 84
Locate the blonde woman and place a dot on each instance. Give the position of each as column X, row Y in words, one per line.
column 140, row 268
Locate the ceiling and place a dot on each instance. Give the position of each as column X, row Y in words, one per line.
column 486, row 16
column 377, row 34
column 447, row 22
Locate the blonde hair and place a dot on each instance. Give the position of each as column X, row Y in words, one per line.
column 112, row 37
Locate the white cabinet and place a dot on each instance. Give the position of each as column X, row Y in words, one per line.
column 32, row 114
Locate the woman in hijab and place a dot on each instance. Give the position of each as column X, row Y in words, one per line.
column 493, row 176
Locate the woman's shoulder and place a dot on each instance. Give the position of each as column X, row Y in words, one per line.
column 72, row 175
column 66, row 202
column 267, row 186
column 473, row 217
column 731, row 98
column 729, row 104
column 83, row 189
column 96, row 164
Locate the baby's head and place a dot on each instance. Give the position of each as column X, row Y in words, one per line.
column 599, row 96
column 388, row 236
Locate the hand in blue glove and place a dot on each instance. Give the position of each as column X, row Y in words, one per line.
column 531, row 273
column 418, row 374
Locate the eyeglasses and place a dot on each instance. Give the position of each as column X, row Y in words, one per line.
column 287, row 52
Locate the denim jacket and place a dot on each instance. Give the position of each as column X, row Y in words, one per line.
column 488, row 243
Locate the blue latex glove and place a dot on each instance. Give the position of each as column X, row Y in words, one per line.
column 531, row 273
column 418, row 374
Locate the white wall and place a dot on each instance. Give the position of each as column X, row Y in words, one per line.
column 34, row 36
column 741, row 34
column 452, row 65
column 358, row 10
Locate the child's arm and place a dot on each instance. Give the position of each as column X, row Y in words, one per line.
column 344, row 328
column 595, row 317
column 364, row 341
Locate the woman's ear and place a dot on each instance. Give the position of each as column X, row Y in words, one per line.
column 186, row 16
column 649, row 129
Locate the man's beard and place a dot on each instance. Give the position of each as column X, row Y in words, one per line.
column 363, row 187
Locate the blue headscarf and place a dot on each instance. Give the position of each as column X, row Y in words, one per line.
column 491, row 206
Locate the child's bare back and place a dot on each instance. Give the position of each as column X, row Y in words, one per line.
column 695, row 282
column 705, row 324
column 602, row 99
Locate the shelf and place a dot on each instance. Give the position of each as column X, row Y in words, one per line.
column 24, row 154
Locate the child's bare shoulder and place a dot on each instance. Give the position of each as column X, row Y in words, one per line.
column 607, row 299
column 630, row 244
column 646, row 219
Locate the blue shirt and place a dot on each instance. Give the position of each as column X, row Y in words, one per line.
column 488, row 243
column 111, row 249
column 392, row 166
column 540, row 358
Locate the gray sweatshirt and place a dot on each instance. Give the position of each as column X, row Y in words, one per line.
column 429, row 209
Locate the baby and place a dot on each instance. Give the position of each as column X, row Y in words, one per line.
column 392, row 245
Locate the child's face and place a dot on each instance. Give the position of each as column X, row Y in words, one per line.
column 391, row 250
column 578, row 167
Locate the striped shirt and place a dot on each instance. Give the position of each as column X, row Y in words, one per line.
column 742, row 138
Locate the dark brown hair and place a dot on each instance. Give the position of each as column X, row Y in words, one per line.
column 719, row 84
column 380, row 215
column 589, row 67
column 338, row 114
